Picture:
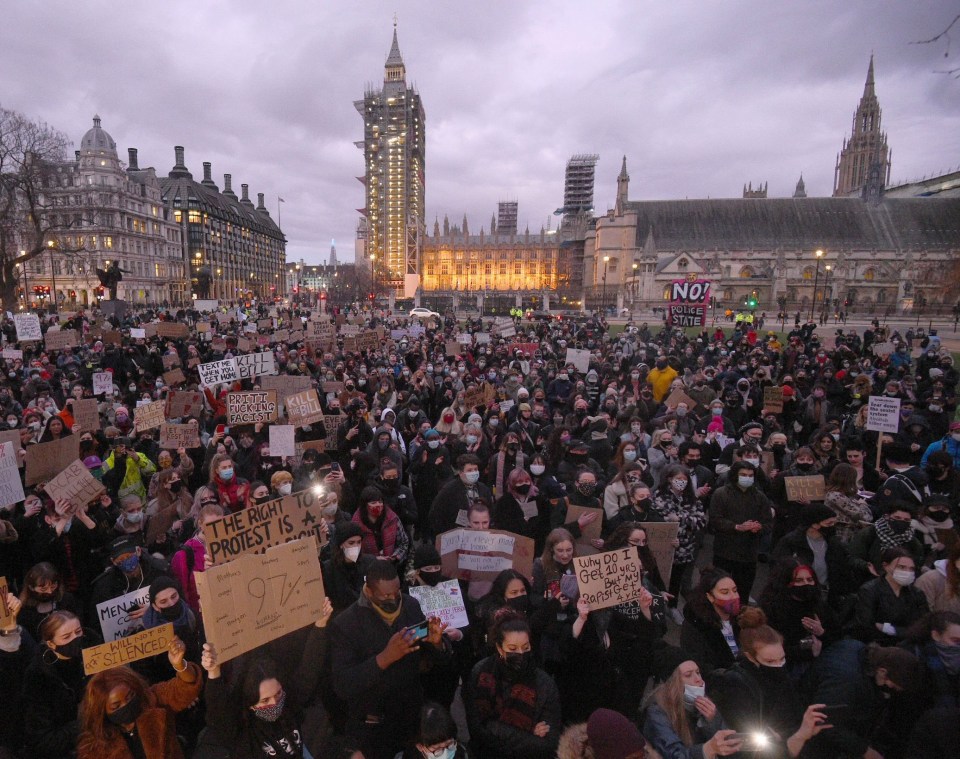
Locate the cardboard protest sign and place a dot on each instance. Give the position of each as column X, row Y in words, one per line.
column 12, row 436
column 282, row 440
column 259, row 527
column 75, row 484
column 368, row 341
column 148, row 416
column 332, row 387
column 579, row 358
column 331, row 423
column 483, row 554
column 116, row 653
column 303, row 408
column 150, row 330
column 85, row 414
column 688, row 302
column 452, row 348
column 114, row 615
column 610, row 578
column 883, row 414
column 102, row 383
column 181, row 403
column 810, row 488
column 160, row 523
column 252, row 407
column 660, row 537
column 172, row 329
column 773, row 399
column 256, row 599
column 28, row 327
column 174, row 377
column 883, row 349
column 47, row 460
column 203, row 327
column 112, row 336
column 170, row 361
column 588, row 533
column 56, row 340
column 12, row 354
column 245, row 344
column 256, row 364
column 11, row 488
column 174, row 436
column 677, row 397
column 7, row 618
column 285, row 385
column 476, row 395
column 443, row 600
column 687, row 315
column 218, row 372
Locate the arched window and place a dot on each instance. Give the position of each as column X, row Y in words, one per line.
column 683, row 263
column 746, row 273
column 666, row 293
column 808, row 272
column 882, row 296
column 870, row 275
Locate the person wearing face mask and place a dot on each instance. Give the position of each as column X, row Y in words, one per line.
column 935, row 641
column 756, row 693
column 121, row 712
column 344, row 571
column 710, row 631
column 131, row 568
column 739, row 515
column 796, row 605
column 517, row 510
column 842, row 497
column 949, row 444
column 934, row 516
column 450, row 506
column 383, row 536
column 376, row 660
column 815, row 544
column 887, row 605
column 192, row 555
column 397, row 497
column 43, row 593
column 125, row 471
column 559, row 390
column 509, row 457
column 53, row 687
column 512, row 706
column 263, row 716
column 787, row 512
column 892, row 530
column 437, row 736
column 281, row 483
column 616, row 495
column 431, row 468
column 906, row 481
column 679, row 720
column 232, row 491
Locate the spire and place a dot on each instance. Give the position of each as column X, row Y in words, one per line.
column 623, row 184
column 801, row 191
column 623, row 171
column 868, row 90
column 394, row 58
column 394, row 70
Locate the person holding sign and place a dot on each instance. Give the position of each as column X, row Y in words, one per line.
column 513, row 707
column 121, row 712
column 265, row 717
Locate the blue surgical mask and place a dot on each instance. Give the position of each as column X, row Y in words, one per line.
column 471, row 478
column 445, row 753
column 692, row 692
column 226, row 475
column 629, row 455
column 130, row 564
column 745, row 482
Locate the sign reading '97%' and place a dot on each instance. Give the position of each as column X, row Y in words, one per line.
column 258, row 598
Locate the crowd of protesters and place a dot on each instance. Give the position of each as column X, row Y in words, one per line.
column 825, row 627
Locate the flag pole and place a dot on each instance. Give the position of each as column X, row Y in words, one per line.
column 278, row 210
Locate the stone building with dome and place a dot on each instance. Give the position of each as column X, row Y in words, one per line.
column 106, row 211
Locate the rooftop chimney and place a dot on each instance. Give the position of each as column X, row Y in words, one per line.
column 228, row 186
column 179, row 168
column 132, row 154
column 260, row 205
column 208, row 176
column 245, row 195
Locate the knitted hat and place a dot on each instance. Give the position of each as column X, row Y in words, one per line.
column 426, row 555
column 613, row 736
column 431, row 434
column 667, row 659
column 346, row 530
column 161, row 583
column 815, row 512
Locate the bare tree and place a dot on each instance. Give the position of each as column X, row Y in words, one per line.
column 31, row 223
column 945, row 36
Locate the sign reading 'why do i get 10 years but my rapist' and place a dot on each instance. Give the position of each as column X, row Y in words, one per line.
column 610, row 578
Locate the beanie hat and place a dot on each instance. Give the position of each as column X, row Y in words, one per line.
column 426, row 555
column 613, row 736
column 667, row 659
column 431, row 434
column 346, row 530
column 161, row 583
column 815, row 512
column 368, row 494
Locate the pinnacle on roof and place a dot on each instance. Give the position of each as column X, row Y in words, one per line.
column 868, row 90
column 623, row 170
column 394, row 58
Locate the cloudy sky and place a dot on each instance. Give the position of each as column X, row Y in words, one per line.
column 701, row 97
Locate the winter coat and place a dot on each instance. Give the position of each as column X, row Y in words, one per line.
column 794, row 544
column 702, row 638
column 131, row 480
column 933, row 585
column 731, row 506
column 877, row 603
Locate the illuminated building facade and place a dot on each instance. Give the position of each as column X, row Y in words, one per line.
column 393, row 145
column 237, row 244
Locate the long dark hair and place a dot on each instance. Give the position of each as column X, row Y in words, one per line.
column 620, row 538
column 671, row 471
column 698, row 602
column 781, row 575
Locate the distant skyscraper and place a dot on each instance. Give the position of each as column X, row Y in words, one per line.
column 333, row 253
column 394, row 146
column 507, row 217
column 867, row 147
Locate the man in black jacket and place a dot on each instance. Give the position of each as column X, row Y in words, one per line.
column 450, row 507
column 377, row 647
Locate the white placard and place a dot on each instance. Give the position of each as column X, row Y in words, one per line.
column 883, row 414
column 12, row 353
column 102, row 383
column 218, row 372
column 444, row 600
column 115, row 621
column 255, row 364
column 138, row 334
column 579, row 358
column 11, row 486
column 28, row 327
column 282, row 440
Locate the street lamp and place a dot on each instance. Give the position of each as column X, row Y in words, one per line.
column 816, row 279
column 826, row 293
column 603, row 299
column 636, row 284
column 53, row 276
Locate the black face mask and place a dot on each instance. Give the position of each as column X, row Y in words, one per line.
column 587, row 488
column 430, row 578
column 172, row 613
column 523, row 489
column 520, row 663
column 262, row 499
column 804, row 467
column 127, row 714
column 391, row 485
column 519, row 603
column 898, row 526
column 389, row 606
column 642, row 505
column 43, row 597
column 71, row 650
column 176, row 487
column 938, row 516
column 772, row 674
column 806, row 594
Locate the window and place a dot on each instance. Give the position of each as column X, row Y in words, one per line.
column 870, row 275
column 194, row 217
column 746, row 273
column 808, row 272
